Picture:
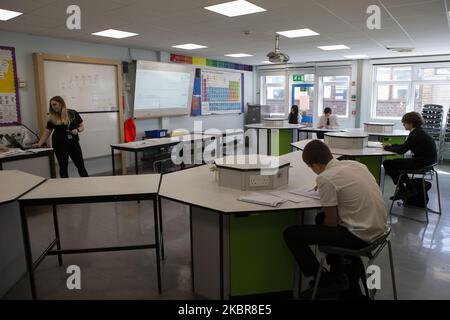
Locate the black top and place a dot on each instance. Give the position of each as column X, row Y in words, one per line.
column 421, row 145
column 292, row 118
column 61, row 134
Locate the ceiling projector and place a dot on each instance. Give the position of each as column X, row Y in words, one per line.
column 277, row 56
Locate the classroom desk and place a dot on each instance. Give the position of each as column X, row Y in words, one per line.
column 31, row 161
column 274, row 140
column 88, row 190
column 371, row 157
column 309, row 130
column 13, row 184
column 148, row 144
column 237, row 248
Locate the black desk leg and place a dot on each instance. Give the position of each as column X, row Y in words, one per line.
column 136, row 162
column 221, row 258
column 161, row 227
column 269, row 142
column 58, row 240
column 28, row 254
column 51, row 161
column 158, row 266
column 113, row 162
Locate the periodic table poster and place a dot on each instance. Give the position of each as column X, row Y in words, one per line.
column 9, row 89
column 222, row 92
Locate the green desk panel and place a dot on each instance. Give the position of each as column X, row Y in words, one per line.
column 260, row 261
column 281, row 142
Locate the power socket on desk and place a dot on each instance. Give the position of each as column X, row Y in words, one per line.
column 259, row 181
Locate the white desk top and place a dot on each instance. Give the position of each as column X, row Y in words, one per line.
column 386, row 124
column 251, row 162
column 14, row 183
column 197, row 186
column 95, row 187
column 347, row 134
column 348, row 152
column 13, row 152
column 314, row 129
column 136, row 145
column 263, row 126
column 395, row 133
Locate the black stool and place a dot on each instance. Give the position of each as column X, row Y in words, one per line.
column 371, row 252
column 423, row 172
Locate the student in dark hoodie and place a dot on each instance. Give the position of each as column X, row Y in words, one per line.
column 419, row 142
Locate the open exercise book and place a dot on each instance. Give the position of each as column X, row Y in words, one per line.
column 263, row 199
column 276, row 198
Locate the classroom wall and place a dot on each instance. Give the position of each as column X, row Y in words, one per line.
column 26, row 44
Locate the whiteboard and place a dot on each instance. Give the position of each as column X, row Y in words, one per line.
column 162, row 89
column 83, row 86
column 91, row 88
column 101, row 131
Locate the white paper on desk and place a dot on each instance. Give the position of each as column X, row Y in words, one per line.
column 37, row 150
column 374, row 144
column 305, row 192
column 288, row 196
column 12, row 152
column 263, row 199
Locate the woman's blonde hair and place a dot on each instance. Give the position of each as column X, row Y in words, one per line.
column 61, row 117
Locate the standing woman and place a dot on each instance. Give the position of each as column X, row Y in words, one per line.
column 66, row 124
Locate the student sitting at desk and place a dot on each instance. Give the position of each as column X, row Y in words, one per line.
column 354, row 216
column 66, row 125
column 327, row 121
column 421, row 145
column 293, row 115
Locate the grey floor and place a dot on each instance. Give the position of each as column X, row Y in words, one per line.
column 421, row 252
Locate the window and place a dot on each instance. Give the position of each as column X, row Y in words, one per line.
column 401, row 89
column 392, row 90
column 335, row 91
column 274, row 93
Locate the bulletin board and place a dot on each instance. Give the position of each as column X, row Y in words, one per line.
column 9, row 88
column 91, row 86
column 221, row 92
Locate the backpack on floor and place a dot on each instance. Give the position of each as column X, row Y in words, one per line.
column 416, row 190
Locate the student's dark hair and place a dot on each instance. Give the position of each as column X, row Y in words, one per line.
column 293, row 115
column 316, row 152
column 413, row 118
column 327, row 110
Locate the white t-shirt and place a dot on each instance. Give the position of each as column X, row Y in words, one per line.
column 333, row 121
column 351, row 187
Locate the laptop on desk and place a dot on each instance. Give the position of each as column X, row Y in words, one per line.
column 13, row 143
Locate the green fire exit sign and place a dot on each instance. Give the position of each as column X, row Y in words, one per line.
column 298, row 77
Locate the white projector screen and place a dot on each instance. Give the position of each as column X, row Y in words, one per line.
column 162, row 89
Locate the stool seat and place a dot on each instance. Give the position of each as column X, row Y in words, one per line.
column 364, row 252
column 423, row 170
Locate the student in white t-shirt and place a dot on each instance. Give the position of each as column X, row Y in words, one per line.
column 327, row 121
column 354, row 214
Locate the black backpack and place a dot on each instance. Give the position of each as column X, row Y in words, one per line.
column 416, row 190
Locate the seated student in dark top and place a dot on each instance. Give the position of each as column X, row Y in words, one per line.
column 293, row 115
column 419, row 142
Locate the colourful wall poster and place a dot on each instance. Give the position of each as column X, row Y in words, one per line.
column 9, row 88
column 222, row 92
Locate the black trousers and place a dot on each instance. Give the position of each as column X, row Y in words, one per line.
column 298, row 238
column 72, row 150
column 320, row 135
column 392, row 168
